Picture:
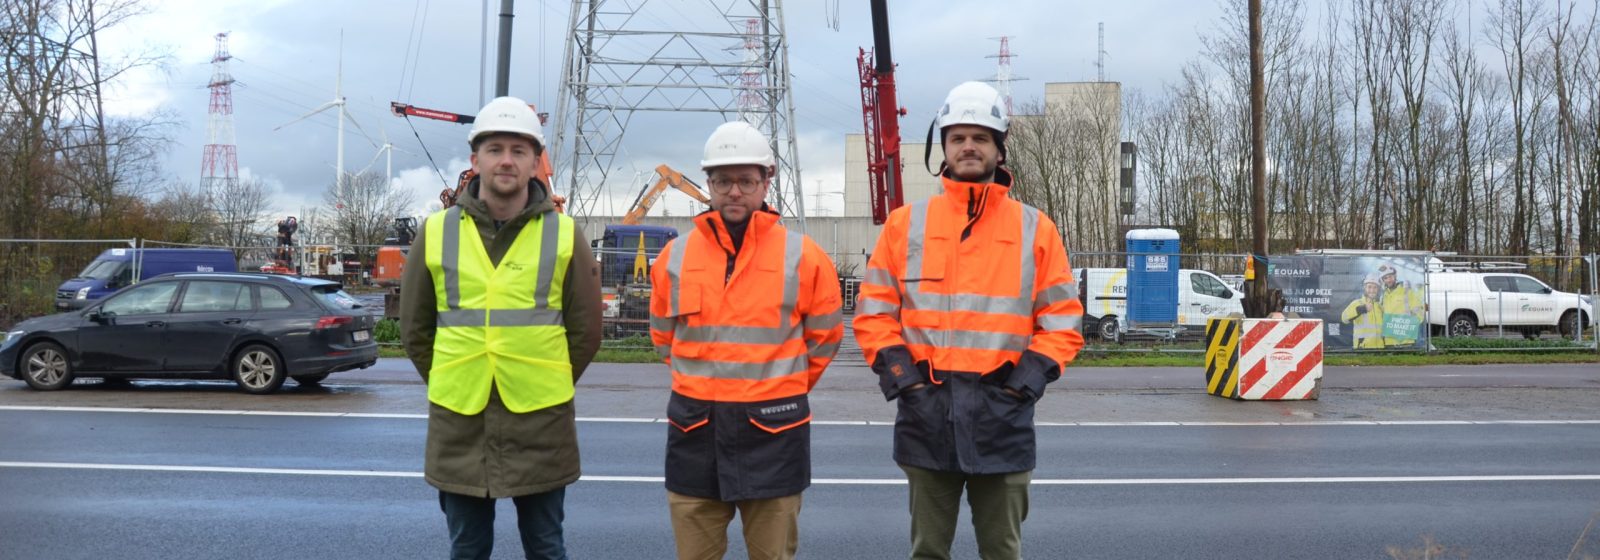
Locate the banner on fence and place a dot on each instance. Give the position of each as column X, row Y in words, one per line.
column 1365, row 302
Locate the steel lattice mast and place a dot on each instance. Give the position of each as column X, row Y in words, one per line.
column 219, row 166
column 735, row 65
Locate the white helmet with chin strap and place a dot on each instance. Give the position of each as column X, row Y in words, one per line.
column 974, row 103
column 738, row 143
column 507, row 115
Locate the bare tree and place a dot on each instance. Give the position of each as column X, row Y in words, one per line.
column 362, row 212
column 240, row 208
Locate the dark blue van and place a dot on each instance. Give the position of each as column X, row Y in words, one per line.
column 115, row 269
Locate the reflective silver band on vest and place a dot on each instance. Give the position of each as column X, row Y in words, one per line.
column 450, row 260
column 450, row 257
column 869, row 306
column 1061, row 322
column 1055, row 294
column 500, row 318
column 824, row 321
column 550, row 223
column 675, row 270
column 754, row 371
column 956, row 338
column 915, row 242
column 823, row 350
column 880, row 277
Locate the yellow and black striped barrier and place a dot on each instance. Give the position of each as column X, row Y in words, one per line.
column 1222, row 357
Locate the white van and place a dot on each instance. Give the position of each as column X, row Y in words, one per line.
column 1464, row 302
column 1104, row 293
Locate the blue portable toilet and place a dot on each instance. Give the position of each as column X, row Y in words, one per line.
column 1152, row 278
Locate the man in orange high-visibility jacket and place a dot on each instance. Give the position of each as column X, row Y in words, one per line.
column 967, row 310
column 747, row 315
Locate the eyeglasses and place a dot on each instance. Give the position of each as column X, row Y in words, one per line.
column 725, row 186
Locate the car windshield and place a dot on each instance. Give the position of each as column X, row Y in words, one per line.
column 334, row 298
column 102, row 270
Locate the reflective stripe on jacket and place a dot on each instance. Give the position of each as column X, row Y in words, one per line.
column 499, row 327
column 744, row 347
column 973, row 287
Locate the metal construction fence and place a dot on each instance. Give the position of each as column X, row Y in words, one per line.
column 1368, row 300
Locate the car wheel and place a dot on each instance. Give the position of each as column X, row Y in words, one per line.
column 310, row 379
column 258, row 370
column 46, row 368
column 1462, row 324
column 1569, row 325
column 1110, row 330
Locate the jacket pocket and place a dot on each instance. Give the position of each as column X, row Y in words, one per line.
column 691, row 462
column 686, row 414
column 1005, row 428
column 782, row 415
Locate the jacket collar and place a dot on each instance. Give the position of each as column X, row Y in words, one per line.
column 963, row 191
column 710, row 223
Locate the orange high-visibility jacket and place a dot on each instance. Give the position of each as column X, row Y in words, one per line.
column 745, row 344
column 973, row 287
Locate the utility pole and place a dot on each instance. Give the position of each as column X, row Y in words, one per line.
column 502, row 63
column 1259, row 302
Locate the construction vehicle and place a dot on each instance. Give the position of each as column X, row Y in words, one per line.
column 627, row 249
column 881, row 114
column 669, row 177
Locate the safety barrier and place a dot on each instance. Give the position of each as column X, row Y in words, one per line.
column 1264, row 359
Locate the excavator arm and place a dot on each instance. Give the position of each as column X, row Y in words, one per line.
column 668, row 177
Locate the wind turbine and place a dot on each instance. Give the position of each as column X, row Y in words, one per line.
column 338, row 101
column 387, row 148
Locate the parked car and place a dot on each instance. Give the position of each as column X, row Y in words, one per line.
column 257, row 329
column 119, row 268
column 1461, row 303
column 1104, row 292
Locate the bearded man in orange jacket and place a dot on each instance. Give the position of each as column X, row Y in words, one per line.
column 968, row 309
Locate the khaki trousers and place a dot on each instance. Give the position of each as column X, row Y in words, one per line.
column 999, row 506
column 700, row 526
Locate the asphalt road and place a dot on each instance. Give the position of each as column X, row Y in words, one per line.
column 92, row 485
column 1490, row 462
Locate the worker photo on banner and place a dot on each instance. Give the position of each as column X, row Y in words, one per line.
column 1366, row 302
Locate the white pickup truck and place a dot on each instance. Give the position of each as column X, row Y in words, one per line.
column 1461, row 303
column 1104, row 292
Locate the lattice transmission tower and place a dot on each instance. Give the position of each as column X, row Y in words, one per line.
column 219, row 166
column 729, row 58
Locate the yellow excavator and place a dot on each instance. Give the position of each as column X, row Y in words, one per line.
column 669, row 177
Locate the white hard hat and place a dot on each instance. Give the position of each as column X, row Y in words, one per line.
column 737, row 143
column 508, row 115
column 1374, row 278
column 974, row 103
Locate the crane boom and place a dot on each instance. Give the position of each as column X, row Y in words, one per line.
column 669, row 177
column 881, row 112
column 447, row 197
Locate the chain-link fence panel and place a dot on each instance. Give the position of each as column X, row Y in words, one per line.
column 33, row 271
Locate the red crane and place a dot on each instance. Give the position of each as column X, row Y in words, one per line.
column 880, row 113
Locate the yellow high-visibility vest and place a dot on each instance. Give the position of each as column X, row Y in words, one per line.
column 499, row 327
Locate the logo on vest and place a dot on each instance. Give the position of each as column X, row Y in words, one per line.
column 779, row 408
column 514, row 266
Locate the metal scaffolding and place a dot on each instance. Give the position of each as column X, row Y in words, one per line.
column 623, row 58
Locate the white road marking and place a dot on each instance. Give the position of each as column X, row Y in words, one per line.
column 847, row 481
column 625, row 420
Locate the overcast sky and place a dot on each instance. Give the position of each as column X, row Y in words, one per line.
column 286, row 55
